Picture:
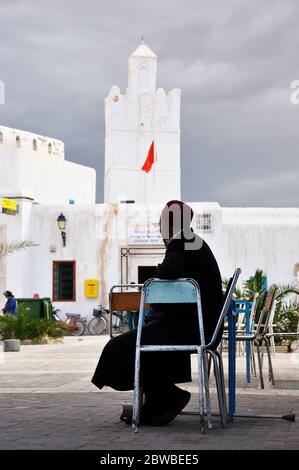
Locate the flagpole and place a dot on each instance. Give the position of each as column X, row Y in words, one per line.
column 155, row 164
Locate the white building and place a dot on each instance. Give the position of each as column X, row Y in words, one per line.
column 118, row 241
column 133, row 120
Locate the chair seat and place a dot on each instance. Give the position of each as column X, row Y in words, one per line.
column 73, row 315
column 178, row 347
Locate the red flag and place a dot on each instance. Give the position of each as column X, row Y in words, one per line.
column 147, row 166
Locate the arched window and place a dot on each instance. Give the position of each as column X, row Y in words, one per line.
column 50, row 148
column 1, row 138
column 18, row 141
column 34, row 145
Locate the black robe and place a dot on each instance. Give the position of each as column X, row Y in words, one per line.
column 167, row 324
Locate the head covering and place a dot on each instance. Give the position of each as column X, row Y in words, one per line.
column 183, row 207
column 176, row 216
column 7, row 293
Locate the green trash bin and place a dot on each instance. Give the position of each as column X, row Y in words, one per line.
column 38, row 308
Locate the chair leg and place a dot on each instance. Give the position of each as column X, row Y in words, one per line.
column 200, row 389
column 207, row 390
column 137, row 394
column 272, row 341
column 271, row 373
column 252, row 358
column 221, row 346
column 221, row 369
column 260, row 364
column 219, row 385
column 209, row 365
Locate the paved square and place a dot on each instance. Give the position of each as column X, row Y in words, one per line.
column 48, row 402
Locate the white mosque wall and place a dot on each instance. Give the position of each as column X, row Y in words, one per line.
column 263, row 238
column 248, row 238
column 34, row 166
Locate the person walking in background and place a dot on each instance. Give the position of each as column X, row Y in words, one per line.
column 133, row 316
column 11, row 303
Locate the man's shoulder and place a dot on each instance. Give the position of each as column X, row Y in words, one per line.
column 192, row 243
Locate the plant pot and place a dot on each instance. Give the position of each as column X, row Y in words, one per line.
column 12, row 345
column 281, row 348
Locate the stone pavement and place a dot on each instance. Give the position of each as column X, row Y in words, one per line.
column 48, row 402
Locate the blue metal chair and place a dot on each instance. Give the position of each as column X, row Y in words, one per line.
column 211, row 348
column 160, row 291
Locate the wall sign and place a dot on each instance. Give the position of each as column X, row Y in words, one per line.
column 9, row 206
column 91, row 288
column 144, row 234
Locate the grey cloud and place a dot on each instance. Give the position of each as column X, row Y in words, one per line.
column 234, row 62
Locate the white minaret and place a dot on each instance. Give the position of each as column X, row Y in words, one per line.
column 133, row 121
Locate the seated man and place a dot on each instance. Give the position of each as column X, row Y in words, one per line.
column 187, row 255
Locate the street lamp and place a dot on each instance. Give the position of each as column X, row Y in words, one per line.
column 61, row 221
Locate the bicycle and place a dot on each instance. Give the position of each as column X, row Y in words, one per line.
column 120, row 322
column 74, row 322
column 98, row 324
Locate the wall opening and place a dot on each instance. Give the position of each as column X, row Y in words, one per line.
column 145, row 273
column 64, row 281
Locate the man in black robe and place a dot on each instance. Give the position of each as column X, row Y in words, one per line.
column 187, row 255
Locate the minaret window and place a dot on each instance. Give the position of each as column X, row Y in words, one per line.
column 50, row 148
column 1, row 138
column 34, row 145
column 18, row 141
column 143, row 79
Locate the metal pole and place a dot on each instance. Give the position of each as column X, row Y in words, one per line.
column 231, row 361
column 248, row 308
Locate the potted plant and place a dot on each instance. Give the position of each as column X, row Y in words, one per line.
column 27, row 329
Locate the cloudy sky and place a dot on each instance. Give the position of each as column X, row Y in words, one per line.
column 234, row 61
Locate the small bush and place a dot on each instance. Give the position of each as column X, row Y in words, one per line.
column 23, row 326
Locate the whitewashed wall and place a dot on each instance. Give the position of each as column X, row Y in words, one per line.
column 46, row 177
column 250, row 238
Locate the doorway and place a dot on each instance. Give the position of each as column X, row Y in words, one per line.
column 145, row 273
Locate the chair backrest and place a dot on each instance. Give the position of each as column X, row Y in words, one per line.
column 227, row 302
column 253, row 312
column 178, row 291
column 121, row 301
column 164, row 291
column 127, row 299
column 267, row 311
column 241, row 306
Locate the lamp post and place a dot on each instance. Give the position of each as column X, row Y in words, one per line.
column 61, row 221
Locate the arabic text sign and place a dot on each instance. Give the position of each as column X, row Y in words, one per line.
column 144, row 234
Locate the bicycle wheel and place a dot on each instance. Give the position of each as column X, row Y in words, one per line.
column 96, row 326
column 119, row 325
column 123, row 326
column 79, row 329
